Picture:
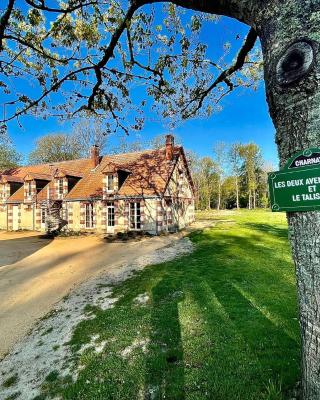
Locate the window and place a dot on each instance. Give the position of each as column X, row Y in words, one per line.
column 60, row 187
column 135, row 216
column 43, row 215
column 110, row 214
column 29, row 189
column 89, row 215
column 65, row 213
column 110, row 183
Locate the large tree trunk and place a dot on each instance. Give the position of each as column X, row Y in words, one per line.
column 292, row 77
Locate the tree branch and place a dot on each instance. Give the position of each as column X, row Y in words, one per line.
column 224, row 76
column 41, row 51
column 223, row 7
column 68, row 10
column 4, row 21
column 108, row 53
column 241, row 10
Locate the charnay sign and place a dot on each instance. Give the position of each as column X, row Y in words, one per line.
column 297, row 186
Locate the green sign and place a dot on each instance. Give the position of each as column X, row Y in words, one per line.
column 297, row 186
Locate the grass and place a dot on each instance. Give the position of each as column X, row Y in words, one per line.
column 10, row 381
column 219, row 324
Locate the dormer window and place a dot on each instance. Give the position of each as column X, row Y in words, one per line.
column 110, row 183
column 29, row 189
column 60, row 187
column 112, row 180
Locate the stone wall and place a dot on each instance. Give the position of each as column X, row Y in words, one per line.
column 27, row 216
column 3, row 216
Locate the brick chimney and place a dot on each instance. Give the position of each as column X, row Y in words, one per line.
column 169, row 147
column 95, row 156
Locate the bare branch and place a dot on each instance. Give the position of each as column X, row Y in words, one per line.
column 223, row 77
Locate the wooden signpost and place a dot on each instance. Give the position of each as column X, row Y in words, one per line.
column 296, row 187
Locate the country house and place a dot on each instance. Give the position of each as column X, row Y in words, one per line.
column 149, row 191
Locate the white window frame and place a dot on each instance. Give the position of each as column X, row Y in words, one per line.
column 110, row 183
column 135, row 216
column 89, row 218
column 110, row 214
column 65, row 214
column 60, row 186
column 29, row 189
column 43, row 215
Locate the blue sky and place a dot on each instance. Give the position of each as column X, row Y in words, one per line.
column 244, row 116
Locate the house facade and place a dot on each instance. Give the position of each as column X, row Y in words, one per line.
column 149, row 191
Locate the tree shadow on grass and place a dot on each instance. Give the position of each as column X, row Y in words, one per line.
column 164, row 363
column 221, row 324
column 281, row 232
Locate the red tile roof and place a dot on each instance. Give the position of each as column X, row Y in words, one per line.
column 17, row 196
column 148, row 174
column 36, row 175
column 9, row 178
column 82, row 166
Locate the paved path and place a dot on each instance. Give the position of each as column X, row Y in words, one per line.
column 35, row 273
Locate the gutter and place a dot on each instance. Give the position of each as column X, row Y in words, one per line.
column 113, row 198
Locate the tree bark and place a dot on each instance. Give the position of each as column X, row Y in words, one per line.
column 292, row 84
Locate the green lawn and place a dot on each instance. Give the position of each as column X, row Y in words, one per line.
column 221, row 322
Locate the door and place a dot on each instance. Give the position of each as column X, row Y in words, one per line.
column 43, row 218
column 15, row 217
column 110, row 217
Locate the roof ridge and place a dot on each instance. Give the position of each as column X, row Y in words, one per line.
column 52, row 163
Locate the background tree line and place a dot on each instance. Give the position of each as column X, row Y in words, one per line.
column 234, row 177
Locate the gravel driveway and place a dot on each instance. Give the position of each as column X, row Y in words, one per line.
column 35, row 273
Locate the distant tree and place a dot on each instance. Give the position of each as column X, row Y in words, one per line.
column 252, row 161
column 194, row 165
column 88, row 132
column 60, row 146
column 125, row 146
column 228, row 194
column 9, row 157
column 159, row 141
column 57, row 147
column 206, row 181
column 219, row 150
column 235, row 163
column 262, row 183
